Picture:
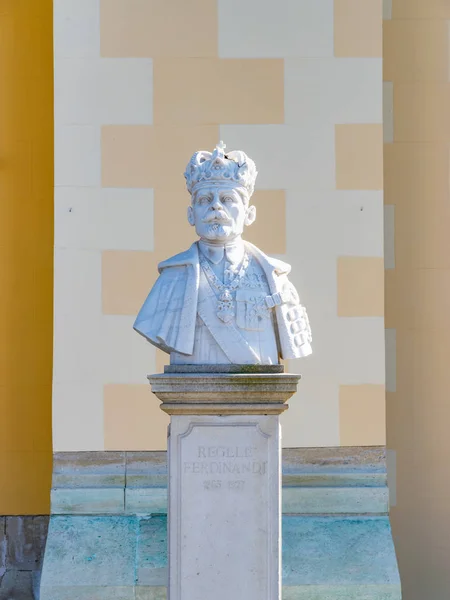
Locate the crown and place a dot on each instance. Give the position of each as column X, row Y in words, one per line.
column 234, row 167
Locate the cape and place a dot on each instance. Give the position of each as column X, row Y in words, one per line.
column 168, row 316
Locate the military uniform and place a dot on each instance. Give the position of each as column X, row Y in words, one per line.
column 225, row 304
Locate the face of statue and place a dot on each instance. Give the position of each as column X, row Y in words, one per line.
column 220, row 214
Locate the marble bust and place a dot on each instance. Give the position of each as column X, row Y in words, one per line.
column 223, row 301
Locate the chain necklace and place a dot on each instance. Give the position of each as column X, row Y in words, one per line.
column 225, row 303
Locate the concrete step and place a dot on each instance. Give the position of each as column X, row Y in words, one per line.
column 107, row 536
column 315, row 481
column 125, row 558
column 296, row 499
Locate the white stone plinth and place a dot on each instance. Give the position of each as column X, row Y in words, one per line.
column 224, row 481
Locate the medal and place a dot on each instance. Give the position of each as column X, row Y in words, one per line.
column 225, row 308
column 225, row 302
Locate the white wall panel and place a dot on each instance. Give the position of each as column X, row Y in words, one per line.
column 255, row 29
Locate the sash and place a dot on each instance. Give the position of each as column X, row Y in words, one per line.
column 228, row 337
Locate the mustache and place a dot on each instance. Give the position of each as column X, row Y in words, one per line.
column 219, row 217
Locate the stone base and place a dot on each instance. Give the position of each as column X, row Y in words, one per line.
column 113, row 558
column 224, row 506
column 224, row 454
column 337, row 541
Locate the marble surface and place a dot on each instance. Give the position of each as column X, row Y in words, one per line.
column 224, row 507
column 231, row 368
column 223, row 301
column 224, row 393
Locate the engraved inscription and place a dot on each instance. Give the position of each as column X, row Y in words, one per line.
column 226, row 488
column 236, row 485
column 255, row 467
column 222, row 461
column 225, row 451
column 214, row 484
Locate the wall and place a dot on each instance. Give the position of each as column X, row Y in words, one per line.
column 416, row 158
column 139, row 86
column 26, row 255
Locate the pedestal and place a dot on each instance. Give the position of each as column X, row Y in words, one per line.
column 224, row 479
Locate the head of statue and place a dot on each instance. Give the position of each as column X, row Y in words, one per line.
column 221, row 186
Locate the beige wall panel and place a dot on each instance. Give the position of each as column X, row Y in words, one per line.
column 399, row 419
column 127, row 277
column 402, row 410
column 359, row 156
column 399, row 426
column 151, row 28
column 390, row 359
column 358, row 28
column 133, row 419
column 313, row 416
column 416, row 181
column 127, row 153
column 360, row 286
column 269, row 229
column 417, row 298
column 418, row 421
column 415, row 173
column 402, row 62
column 427, row 573
column 399, row 304
column 430, row 249
column 416, row 58
column 144, row 156
column 421, row 374
column 431, row 436
column 389, row 236
column 421, row 9
column 186, row 91
column 362, row 415
column 421, row 112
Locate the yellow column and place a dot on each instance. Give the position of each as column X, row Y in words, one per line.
column 26, row 255
column 416, row 167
